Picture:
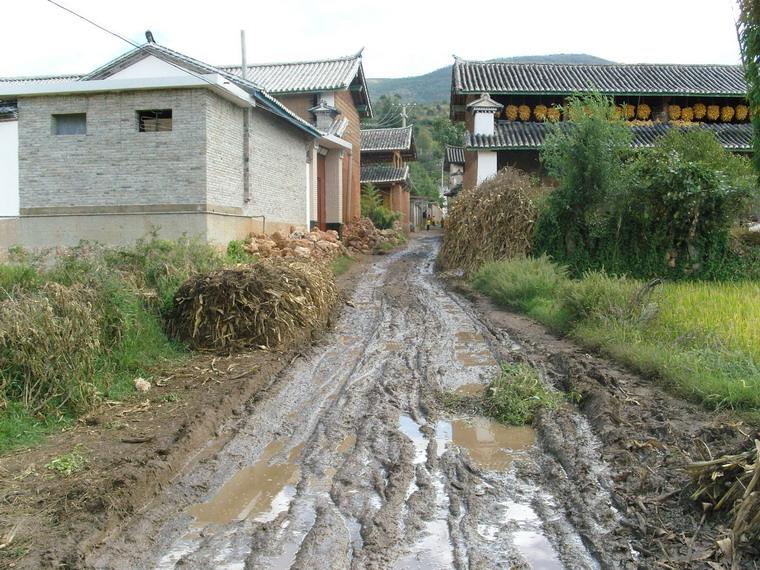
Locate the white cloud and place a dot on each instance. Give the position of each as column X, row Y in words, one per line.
column 402, row 37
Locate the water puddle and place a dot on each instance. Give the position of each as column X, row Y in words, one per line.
column 474, row 390
column 294, row 531
column 411, row 429
column 260, row 492
column 470, row 349
column 529, row 538
column 490, row 445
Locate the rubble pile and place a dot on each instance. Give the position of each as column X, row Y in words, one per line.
column 316, row 244
column 361, row 236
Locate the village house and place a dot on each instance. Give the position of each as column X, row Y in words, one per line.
column 385, row 153
column 332, row 95
column 508, row 108
column 156, row 139
column 453, row 166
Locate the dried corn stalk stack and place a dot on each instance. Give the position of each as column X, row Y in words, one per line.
column 492, row 221
column 262, row 306
column 732, row 483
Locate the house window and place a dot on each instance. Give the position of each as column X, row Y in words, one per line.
column 154, row 120
column 70, row 124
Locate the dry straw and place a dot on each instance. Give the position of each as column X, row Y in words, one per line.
column 732, row 483
column 262, row 305
column 491, row 222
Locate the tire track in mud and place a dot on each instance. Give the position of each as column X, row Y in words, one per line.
column 349, row 462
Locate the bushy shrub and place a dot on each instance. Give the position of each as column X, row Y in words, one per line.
column 372, row 207
column 586, row 156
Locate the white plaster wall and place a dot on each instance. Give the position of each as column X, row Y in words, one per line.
column 9, row 191
column 483, row 123
column 150, row 66
column 334, row 186
column 487, row 165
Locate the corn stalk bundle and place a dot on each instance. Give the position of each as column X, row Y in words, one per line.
column 742, row 112
column 510, row 112
column 540, row 112
column 553, row 114
column 523, row 111
column 492, row 221
column 713, row 112
column 732, row 483
column 699, row 111
column 727, row 113
column 629, row 111
column 262, row 305
column 687, row 114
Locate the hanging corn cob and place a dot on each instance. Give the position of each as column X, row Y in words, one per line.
column 674, row 112
column 700, row 111
column 713, row 112
column 523, row 111
column 617, row 112
column 553, row 114
column 630, row 111
column 727, row 113
column 643, row 111
column 510, row 112
column 742, row 111
column 540, row 112
column 687, row 114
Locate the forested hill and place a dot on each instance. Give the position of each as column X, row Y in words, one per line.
column 434, row 87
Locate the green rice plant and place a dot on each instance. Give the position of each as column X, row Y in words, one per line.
column 515, row 396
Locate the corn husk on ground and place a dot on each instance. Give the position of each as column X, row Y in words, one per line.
column 732, row 483
column 492, row 221
column 257, row 306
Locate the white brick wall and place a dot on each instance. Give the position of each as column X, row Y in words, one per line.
column 278, row 184
column 224, row 152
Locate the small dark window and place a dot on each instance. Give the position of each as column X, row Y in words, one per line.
column 154, row 120
column 70, row 124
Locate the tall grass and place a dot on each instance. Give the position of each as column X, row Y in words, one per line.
column 82, row 330
column 701, row 338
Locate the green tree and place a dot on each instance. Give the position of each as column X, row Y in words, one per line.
column 748, row 27
column 586, row 156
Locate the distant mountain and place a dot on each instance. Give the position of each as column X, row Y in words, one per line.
column 434, row 87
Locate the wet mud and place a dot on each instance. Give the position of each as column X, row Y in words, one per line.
column 350, row 461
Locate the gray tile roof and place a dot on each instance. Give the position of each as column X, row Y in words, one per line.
column 385, row 140
column 384, row 174
column 40, row 79
column 303, row 76
column 454, row 154
column 612, row 79
column 530, row 135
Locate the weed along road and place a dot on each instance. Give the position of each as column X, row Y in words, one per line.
column 353, row 458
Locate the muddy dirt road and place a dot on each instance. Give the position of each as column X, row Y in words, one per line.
column 350, row 461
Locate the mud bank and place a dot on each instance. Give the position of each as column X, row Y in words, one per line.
column 646, row 438
column 351, row 461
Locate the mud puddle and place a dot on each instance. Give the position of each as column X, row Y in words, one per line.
column 490, row 445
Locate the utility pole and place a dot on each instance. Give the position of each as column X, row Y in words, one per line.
column 404, row 116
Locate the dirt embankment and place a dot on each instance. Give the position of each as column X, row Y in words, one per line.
column 648, row 436
column 132, row 450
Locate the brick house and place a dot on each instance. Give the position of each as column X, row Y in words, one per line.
column 332, row 95
column 385, row 153
column 152, row 139
column 506, row 107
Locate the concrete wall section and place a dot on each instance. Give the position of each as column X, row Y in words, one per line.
column 113, row 164
column 278, row 187
column 487, row 165
column 9, row 197
column 9, row 235
column 335, row 187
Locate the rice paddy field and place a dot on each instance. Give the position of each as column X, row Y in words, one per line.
column 701, row 338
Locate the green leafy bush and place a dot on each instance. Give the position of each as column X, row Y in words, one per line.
column 372, row 207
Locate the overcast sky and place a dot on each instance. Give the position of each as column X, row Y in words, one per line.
column 401, row 37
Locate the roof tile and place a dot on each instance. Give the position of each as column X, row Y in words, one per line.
column 383, row 174
column 612, row 79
